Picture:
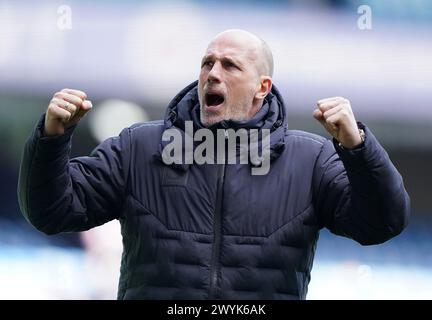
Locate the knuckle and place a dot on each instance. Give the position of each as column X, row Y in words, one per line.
column 56, row 100
column 51, row 108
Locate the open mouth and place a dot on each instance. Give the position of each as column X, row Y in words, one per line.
column 214, row 99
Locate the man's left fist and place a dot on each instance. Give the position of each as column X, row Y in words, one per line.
column 336, row 115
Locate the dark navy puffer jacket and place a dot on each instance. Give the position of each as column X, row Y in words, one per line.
column 214, row 231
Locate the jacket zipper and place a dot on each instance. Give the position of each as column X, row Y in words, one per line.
column 217, row 228
column 217, row 221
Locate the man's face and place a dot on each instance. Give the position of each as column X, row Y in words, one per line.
column 228, row 80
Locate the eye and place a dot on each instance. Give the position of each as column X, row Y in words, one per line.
column 229, row 64
column 207, row 63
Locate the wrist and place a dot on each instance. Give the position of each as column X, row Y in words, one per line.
column 355, row 145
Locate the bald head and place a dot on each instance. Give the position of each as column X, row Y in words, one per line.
column 257, row 48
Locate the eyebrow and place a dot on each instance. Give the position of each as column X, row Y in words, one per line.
column 226, row 58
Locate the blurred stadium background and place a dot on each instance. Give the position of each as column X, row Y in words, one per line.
column 131, row 57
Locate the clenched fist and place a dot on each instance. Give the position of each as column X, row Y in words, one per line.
column 336, row 115
column 65, row 109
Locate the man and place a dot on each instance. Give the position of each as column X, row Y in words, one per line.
column 215, row 230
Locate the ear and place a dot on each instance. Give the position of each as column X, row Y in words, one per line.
column 264, row 87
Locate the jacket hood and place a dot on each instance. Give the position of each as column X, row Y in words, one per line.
column 272, row 115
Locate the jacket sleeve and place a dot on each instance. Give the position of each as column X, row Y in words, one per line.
column 359, row 194
column 57, row 194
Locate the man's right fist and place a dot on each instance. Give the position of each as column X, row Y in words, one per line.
column 65, row 109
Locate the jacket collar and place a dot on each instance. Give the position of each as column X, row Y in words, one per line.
column 185, row 107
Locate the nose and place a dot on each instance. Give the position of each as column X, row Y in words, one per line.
column 214, row 74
